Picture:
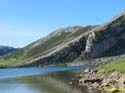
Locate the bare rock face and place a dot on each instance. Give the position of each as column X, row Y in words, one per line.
column 105, row 37
column 95, row 49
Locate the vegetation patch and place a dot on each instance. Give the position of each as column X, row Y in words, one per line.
column 118, row 65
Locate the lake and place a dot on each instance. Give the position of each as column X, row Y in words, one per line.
column 39, row 80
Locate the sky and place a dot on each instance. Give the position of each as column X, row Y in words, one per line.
column 25, row 21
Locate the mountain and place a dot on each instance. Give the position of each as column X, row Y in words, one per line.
column 6, row 49
column 45, row 46
column 74, row 43
column 107, row 39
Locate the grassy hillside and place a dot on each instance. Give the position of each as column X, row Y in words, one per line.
column 42, row 47
column 54, row 41
column 118, row 65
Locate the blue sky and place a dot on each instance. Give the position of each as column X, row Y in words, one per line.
column 24, row 21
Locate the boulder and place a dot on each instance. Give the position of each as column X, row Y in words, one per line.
column 115, row 74
column 121, row 81
column 81, row 81
column 87, row 70
column 107, row 82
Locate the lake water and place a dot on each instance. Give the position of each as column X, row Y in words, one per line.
column 39, row 80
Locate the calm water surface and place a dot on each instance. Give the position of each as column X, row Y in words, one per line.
column 38, row 80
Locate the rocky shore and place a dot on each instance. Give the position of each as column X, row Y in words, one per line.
column 97, row 81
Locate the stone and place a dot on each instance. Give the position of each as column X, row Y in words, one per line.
column 121, row 81
column 81, row 81
column 106, row 82
column 87, row 70
column 70, row 83
column 115, row 74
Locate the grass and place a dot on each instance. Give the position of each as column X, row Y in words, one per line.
column 81, row 31
column 11, row 62
column 56, row 41
column 118, row 65
column 26, row 53
column 61, row 64
column 48, row 44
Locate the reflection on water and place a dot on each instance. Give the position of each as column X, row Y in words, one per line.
column 54, row 82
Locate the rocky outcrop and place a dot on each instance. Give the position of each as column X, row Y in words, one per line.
column 100, row 46
column 105, row 37
column 114, row 82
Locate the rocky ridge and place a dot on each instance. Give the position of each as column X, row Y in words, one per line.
column 100, row 41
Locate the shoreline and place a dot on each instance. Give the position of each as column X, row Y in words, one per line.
column 98, row 81
column 95, row 80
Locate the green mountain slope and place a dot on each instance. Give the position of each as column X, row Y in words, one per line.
column 43, row 46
